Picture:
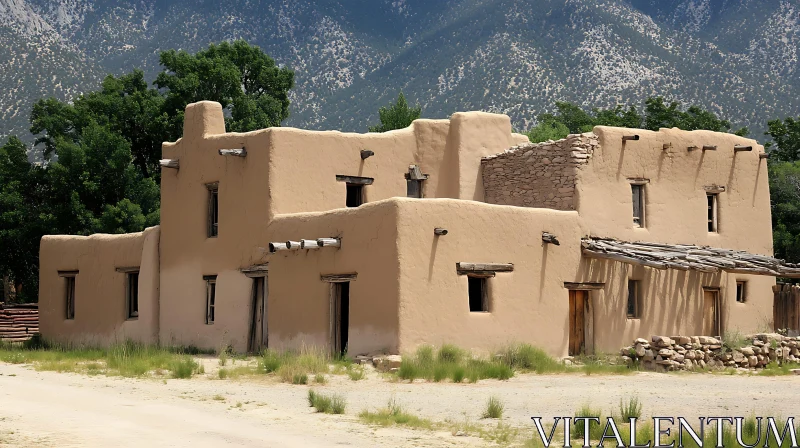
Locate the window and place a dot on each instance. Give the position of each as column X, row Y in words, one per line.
column 634, row 308
column 132, row 294
column 637, row 192
column 355, row 195
column 211, row 297
column 478, row 302
column 213, row 210
column 70, row 296
column 712, row 211
column 741, row 291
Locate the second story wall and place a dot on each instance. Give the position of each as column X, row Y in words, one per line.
column 305, row 164
column 676, row 182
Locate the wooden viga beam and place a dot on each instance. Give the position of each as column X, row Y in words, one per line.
column 169, row 163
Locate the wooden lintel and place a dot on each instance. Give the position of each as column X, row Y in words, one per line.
column 338, row 278
column 468, row 268
column 67, row 273
column 638, row 180
column 256, row 270
column 714, row 188
column 355, row 179
column 127, row 269
column 479, row 274
column 210, row 277
column 585, row 286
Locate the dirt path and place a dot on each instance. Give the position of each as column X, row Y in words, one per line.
column 59, row 409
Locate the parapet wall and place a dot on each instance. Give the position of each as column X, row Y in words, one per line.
column 538, row 174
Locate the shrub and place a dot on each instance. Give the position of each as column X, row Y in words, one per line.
column 328, row 404
column 595, row 429
column 450, row 362
column 184, row 368
column 355, row 372
column 450, row 354
column 223, row 373
column 529, row 358
column 458, row 374
column 631, row 409
column 394, row 414
column 300, row 378
column 494, row 408
column 319, row 378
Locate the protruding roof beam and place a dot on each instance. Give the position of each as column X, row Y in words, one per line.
column 169, row 163
column 233, row 152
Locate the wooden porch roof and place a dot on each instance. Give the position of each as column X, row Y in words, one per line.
column 687, row 257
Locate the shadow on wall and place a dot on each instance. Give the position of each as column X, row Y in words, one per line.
column 671, row 302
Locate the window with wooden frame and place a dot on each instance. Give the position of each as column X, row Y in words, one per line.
column 712, row 200
column 211, row 298
column 741, row 291
column 638, row 200
column 634, row 305
column 69, row 295
column 213, row 209
column 355, row 188
column 132, row 294
column 478, row 293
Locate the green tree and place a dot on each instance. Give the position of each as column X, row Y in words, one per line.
column 659, row 114
column 570, row 115
column 784, row 192
column 785, row 136
column 548, row 130
column 21, row 190
column 397, row 116
column 102, row 150
column 239, row 76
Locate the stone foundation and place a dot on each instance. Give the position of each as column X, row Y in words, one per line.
column 664, row 353
column 538, row 174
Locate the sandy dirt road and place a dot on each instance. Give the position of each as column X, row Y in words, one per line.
column 61, row 409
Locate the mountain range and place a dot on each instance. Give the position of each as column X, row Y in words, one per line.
column 737, row 58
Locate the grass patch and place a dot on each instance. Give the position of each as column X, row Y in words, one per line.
column 734, row 340
column 328, row 404
column 494, row 408
column 127, row 359
column 292, row 366
column 394, row 415
column 355, row 372
column 631, row 409
column 527, row 358
column 595, row 429
column 235, row 372
column 320, row 378
column 773, row 369
column 450, row 362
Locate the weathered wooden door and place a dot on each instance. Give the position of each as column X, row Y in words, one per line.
column 786, row 308
column 258, row 316
column 340, row 318
column 581, row 324
column 711, row 313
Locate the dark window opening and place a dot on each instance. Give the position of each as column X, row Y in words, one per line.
column 355, row 195
column 211, row 298
column 414, row 188
column 213, row 210
column 70, row 297
column 637, row 191
column 741, row 291
column 634, row 304
column 478, row 302
column 132, row 294
column 712, row 212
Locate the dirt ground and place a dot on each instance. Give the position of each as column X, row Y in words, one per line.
column 63, row 409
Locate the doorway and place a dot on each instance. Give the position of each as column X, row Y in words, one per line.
column 259, row 336
column 581, row 323
column 340, row 318
column 711, row 320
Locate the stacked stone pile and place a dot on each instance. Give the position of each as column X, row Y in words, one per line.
column 664, row 353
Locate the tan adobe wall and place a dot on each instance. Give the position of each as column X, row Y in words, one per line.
column 100, row 296
column 529, row 304
column 538, row 174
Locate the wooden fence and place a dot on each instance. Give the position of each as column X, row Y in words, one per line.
column 18, row 323
column 786, row 309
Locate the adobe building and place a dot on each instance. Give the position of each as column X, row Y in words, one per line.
column 449, row 231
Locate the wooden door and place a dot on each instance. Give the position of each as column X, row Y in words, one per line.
column 711, row 313
column 577, row 323
column 340, row 318
column 258, row 316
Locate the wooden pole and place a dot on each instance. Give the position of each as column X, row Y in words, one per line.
column 329, row 242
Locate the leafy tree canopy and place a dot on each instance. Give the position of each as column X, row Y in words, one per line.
column 785, row 144
column 657, row 114
column 397, row 116
column 239, row 76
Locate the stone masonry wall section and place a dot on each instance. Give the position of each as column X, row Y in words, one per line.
column 538, row 174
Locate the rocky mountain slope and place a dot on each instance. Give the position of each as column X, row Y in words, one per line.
column 736, row 57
